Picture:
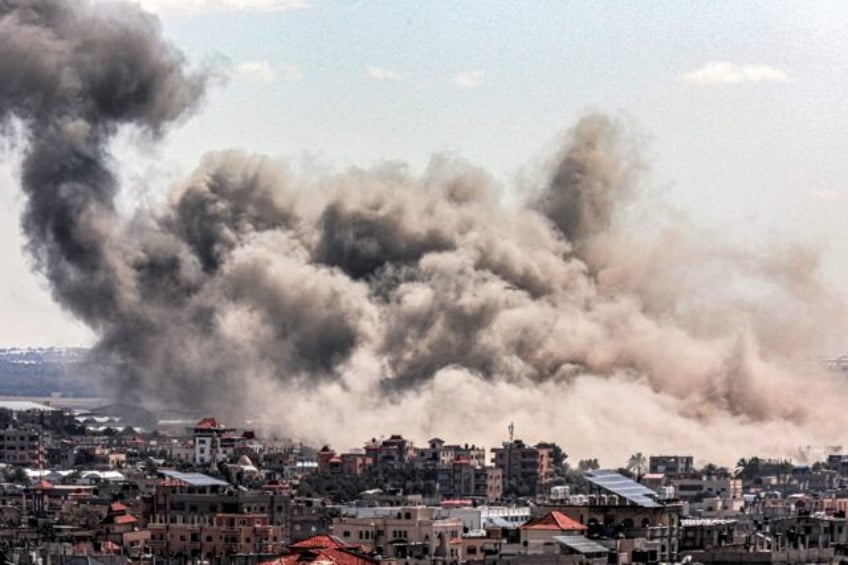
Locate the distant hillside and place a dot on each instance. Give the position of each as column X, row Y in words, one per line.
column 44, row 371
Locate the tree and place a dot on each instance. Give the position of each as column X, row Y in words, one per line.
column 558, row 457
column 588, row 465
column 16, row 475
column 636, row 464
column 713, row 470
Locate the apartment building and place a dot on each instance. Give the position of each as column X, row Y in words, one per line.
column 219, row 535
column 330, row 462
column 671, row 465
column 401, row 533
column 23, row 446
column 464, row 479
column 213, row 442
column 525, row 464
column 438, row 454
column 396, row 451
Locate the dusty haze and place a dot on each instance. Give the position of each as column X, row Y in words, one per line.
column 348, row 305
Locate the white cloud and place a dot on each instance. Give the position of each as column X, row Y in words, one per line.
column 725, row 72
column 469, row 79
column 190, row 7
column 256, row 71
column 379, row 73
column 292, row 73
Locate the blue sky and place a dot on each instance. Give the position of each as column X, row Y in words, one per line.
column 738, row 107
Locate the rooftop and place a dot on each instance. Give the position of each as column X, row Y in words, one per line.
column 24, row 405
column 553, row 521
column 194, row 479
column 618, row 484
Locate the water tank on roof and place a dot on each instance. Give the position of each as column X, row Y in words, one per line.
column 560, row 492
column 665, row 493
column 582, row 499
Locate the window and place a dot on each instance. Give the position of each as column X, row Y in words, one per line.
column 345, row 534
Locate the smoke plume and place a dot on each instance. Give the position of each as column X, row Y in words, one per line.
column 377, row 301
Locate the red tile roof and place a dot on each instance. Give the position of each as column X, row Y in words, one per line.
column 556, row 521
column 325, row 557
column 326, row 549
column 322, row 541
column 207, row 424
column 117, row 507
column 43, row 485
column 125, row 519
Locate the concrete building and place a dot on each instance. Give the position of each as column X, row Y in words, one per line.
column 671, row 465
column 710, row 497
column 350, row 464
column 464, row 480
column 477, row 518
column 23, row 446
column 210, row 447
column 537, row 535
column 524, row 464
column 393, row 452
column 439, row 454
column 221, row 535
column 402, row 533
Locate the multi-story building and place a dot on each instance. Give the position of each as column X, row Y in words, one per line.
column 710, row 496
column 195, row 515
column 24, row 445
column 213, row 442
column 462, row 479
column 393, row 452
column 307, row 517
column 524, row 464
column 221, row 535
column 333, row 463
column 401, row 532
column 26, row 413
column 671, row 465
column 438, row 454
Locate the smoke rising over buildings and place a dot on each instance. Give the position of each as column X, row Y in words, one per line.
column 333, row 306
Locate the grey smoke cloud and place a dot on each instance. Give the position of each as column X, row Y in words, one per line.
column 382, row 300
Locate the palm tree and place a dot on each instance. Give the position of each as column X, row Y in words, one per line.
column 636, row 463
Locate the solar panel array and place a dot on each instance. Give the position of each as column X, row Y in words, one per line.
column 195, row 479
column 628, row 489
column 580, row 544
